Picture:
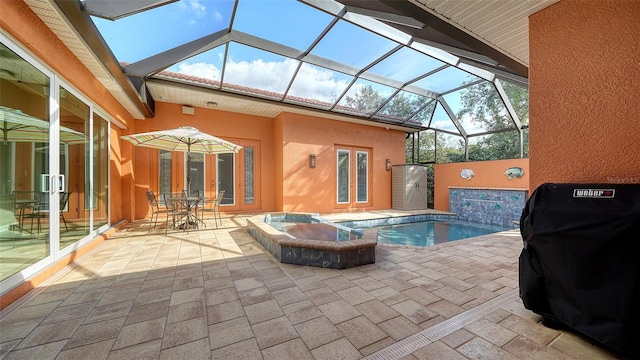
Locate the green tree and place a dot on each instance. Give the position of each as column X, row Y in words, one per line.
column 484, row 106
column 366, row 98
column 482, row 103
column 400, row 108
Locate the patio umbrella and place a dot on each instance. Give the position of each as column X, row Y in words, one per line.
column 20, row 127
column 186, row 139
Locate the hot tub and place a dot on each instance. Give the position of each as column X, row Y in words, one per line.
column 306, row 239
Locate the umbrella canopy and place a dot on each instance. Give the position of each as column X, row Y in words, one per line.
column 186, row 139
column 20, row 127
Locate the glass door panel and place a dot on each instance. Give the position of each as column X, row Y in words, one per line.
column 249, row 176
column 100, row 172
column 75, row 167
column 362, row 176
column 164, row 174
column 195, row 179
column 24, row 159
column 343, row 178
column 226, row 177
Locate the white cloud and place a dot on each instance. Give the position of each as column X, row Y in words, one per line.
column 202, row 70
column 315, row 83
column 311, row 82
column 197, row 7
column 267, row 75
column 217, row 16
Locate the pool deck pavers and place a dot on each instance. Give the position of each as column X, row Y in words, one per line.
column 217, row 294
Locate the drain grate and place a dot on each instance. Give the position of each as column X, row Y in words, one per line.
column 417, row 341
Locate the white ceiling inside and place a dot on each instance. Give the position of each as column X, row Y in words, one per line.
column 503, row 24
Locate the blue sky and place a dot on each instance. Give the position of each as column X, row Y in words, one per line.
column 287, row 22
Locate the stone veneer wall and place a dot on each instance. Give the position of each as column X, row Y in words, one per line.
column 310, row 252
column 488, row 206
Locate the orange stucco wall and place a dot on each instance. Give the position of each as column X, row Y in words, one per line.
column 314, row 190
column 237, row 128
column 116, row 177
column 584, row 126
column 488, row 174
column 286, row 183
column 278, row 153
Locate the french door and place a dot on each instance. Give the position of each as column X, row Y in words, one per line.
column 352, row 177
column 238, row 175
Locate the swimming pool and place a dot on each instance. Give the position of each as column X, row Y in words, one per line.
column 430, row 232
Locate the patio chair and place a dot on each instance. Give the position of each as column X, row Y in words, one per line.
column 179, row 211
column 214, row 207
column 156, row 209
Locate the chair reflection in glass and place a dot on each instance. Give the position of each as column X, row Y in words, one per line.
column 64, row 199
column 29, row 205
column 213, row 206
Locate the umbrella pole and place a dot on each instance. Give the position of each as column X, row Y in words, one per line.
column 189, row 168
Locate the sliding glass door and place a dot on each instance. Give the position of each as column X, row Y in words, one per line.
column 54, row 167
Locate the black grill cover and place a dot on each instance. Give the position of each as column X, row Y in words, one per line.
column 580, row 263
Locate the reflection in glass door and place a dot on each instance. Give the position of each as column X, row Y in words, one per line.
column 24, row 163
column 100, row 173
column 195, row 180
column 165, row 175
column 226, row 177
column 53, row 183
column 249, row 176
column 74, row 200
column 344, row 180
column 362, row 176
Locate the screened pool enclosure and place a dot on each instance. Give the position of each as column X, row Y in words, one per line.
column 338, row 57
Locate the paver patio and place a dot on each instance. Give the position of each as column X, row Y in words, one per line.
column 217, row 294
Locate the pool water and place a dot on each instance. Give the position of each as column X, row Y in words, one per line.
column 425, row 233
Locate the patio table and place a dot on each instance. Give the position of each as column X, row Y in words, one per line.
column 190, row 204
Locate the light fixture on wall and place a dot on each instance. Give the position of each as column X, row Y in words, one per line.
column 312, row 161
column 388, row 165
column 188, row 110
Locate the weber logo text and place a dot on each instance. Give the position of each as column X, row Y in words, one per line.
column 594, row 193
